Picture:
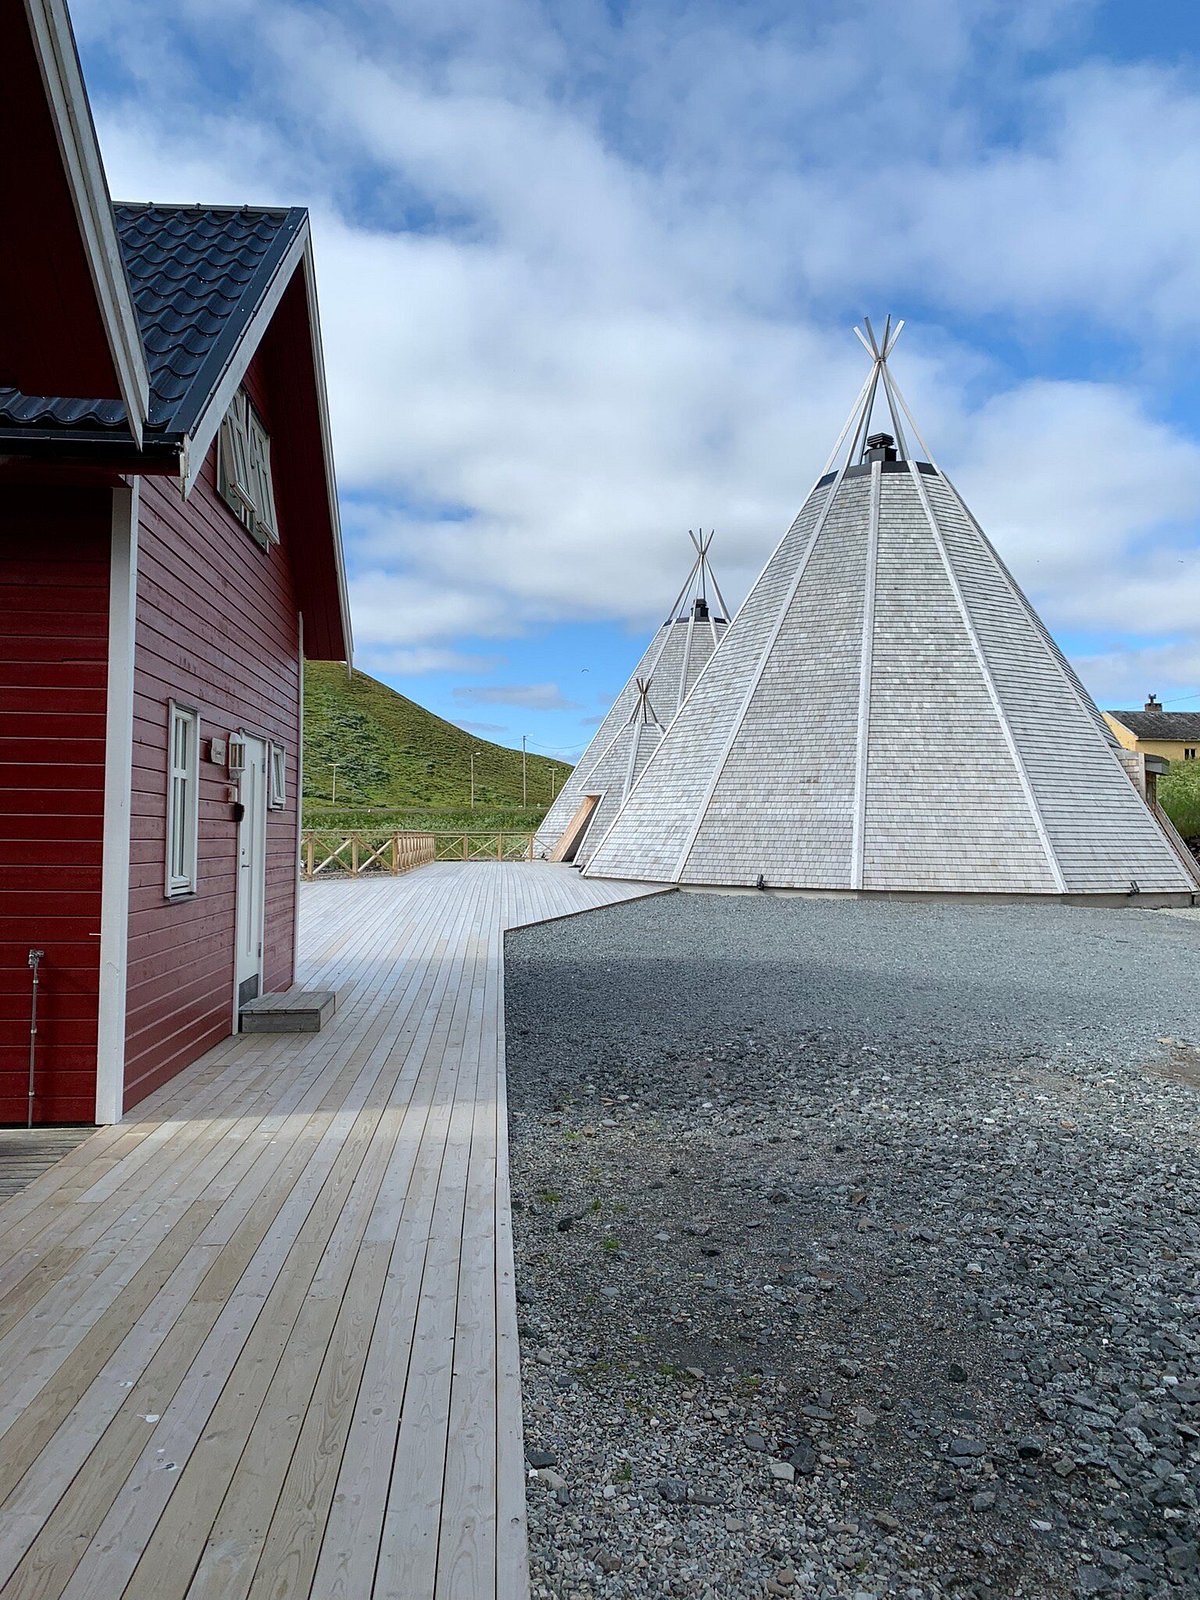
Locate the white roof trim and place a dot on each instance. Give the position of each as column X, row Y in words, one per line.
column 205, row 430
column 314, row 322
column 206, row 426
column 54, row 43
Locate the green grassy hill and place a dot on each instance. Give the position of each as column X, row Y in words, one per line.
column 395, row 760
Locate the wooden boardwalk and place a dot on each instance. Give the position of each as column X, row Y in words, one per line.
column 259, row 1339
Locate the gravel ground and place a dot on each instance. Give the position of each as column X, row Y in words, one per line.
column 857, row 1249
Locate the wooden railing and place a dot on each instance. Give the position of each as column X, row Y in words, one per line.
column 484, row 846
column 357, row 852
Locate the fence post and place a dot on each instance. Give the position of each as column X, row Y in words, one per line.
column 529, row 849
column 499, row 847
column 309, row 845
column 465, row 857
column 395, row 854
column 354, row 855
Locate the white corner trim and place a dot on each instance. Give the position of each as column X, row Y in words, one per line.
column 299, row 791
column 50, row 29
column 118, row 784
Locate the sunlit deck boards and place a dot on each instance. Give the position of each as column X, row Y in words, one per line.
column 259, row 1339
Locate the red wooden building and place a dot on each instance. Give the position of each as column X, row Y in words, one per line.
column 169, row 553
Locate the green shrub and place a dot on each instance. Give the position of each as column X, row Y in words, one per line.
column 1179, row 793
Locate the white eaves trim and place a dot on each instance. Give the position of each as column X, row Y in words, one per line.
column 197, row 444
column 54, row 44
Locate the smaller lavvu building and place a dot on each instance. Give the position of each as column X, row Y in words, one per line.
column 169, row 553
column 629, row 734
column 888, row 714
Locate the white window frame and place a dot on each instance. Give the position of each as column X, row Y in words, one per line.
column 183, row 800
column 234, row 478
column 266, row 524
column 244, row 470
column 276, row 777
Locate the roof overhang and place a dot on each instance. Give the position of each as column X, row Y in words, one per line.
column 75, row 331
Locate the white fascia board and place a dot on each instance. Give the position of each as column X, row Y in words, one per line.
column 196, row 445
column 205, row 431
column 335, row 520
column 50, row 29
column 118, row 807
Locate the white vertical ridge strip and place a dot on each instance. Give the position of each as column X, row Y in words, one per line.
column 866, row 662
column 118, row 806
column 1014, row 589
column 681, row 696
column 756, row 679
column 1061, row 666
column 635, row 745
column 989, row 682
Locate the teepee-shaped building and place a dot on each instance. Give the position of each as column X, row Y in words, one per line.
column 888, row 713
column 662, row 679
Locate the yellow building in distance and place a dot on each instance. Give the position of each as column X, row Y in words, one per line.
column 1155, row 732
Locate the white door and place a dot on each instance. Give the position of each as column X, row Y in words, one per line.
column 252, row 874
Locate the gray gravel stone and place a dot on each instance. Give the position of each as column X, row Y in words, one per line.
column 928, row 1088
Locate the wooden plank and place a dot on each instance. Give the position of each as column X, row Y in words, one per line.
column 261, row 1338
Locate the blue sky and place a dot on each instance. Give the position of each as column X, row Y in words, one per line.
column 588, row 272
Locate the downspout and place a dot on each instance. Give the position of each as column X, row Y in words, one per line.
column 35, row 957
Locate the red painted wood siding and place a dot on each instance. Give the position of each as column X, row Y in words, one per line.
column 217, row 628
column 54, row 579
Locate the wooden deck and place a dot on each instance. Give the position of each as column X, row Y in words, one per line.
column 259, row 1339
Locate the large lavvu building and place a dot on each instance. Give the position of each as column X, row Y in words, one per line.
column 888, row 713
column 629, row 734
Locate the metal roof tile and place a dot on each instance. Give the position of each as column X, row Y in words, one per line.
column 196, row 275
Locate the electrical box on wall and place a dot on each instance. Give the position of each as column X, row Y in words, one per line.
column 218, row 752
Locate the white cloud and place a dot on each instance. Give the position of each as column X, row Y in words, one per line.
column 583, row 282
column 532, row 696
column 401, row 662
column 1124, row 679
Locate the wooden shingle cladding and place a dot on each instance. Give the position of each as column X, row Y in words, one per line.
column 887, row 712
column 217, row 628
column 54, row 594
column 672, row 663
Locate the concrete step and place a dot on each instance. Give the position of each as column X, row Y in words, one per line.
column 293, row 1011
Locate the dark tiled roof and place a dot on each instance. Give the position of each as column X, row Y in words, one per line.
column 197, row 275
column 1160, row 724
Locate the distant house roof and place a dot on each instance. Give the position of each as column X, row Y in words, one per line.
column 198, row 276
column 1160, row 724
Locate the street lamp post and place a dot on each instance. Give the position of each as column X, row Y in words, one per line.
column 333, row 766
column 474, row 753
column 524, row 774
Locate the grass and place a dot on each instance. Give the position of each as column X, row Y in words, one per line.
column 1179, row 793
column 422, row 819
column 400, row 766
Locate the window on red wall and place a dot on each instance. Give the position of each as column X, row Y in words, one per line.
column 244, row 470
column 183, row 799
